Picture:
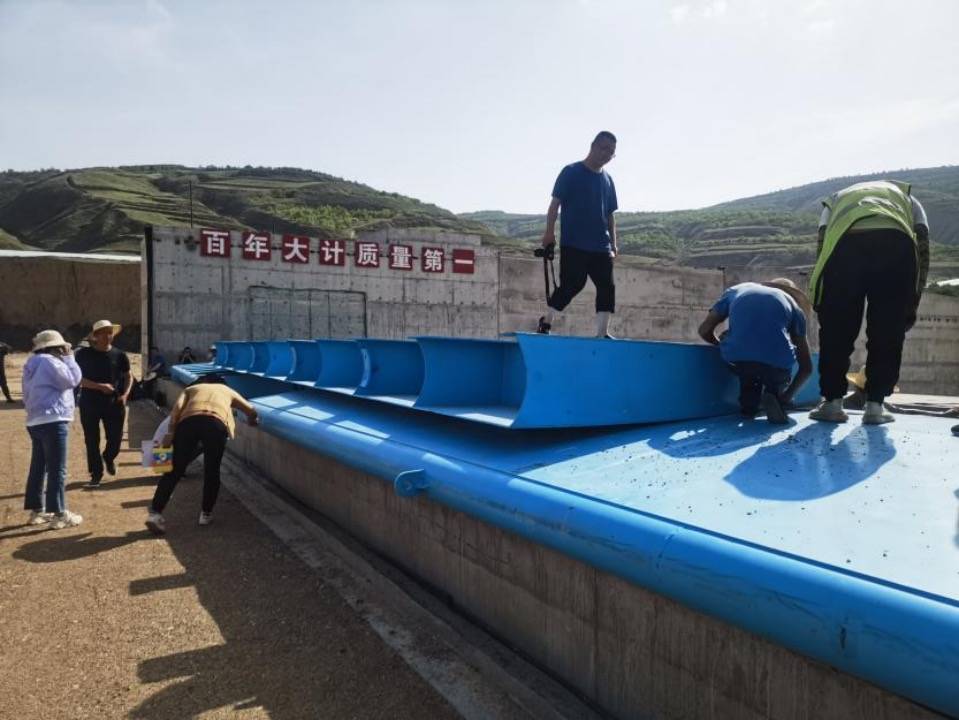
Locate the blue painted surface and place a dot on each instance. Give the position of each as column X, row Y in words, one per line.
column 306, row 362
column 261, row 357
column 839, row 542
column 341, row 365
column 280, row 359
column 533, row 381
column 392, row 370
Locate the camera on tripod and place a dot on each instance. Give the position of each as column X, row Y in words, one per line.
column 547, row 252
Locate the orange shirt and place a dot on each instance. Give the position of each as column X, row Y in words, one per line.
column 209, row 399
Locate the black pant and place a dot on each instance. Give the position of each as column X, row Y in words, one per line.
column 876, row 268
column 575, row 266
column 195, row 429
column 756, row 377
column 3, row 382
column 111, row 414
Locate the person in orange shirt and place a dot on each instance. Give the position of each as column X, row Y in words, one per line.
column 202, row 414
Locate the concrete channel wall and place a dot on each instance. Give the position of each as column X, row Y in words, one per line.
column 632, row 652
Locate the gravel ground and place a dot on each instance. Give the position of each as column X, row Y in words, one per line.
column 106, row 621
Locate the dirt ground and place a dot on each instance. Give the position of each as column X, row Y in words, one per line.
column 106, row 621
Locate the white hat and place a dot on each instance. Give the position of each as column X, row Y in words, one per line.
column 100, row 324
column 49, row 338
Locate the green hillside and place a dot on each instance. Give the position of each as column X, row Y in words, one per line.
column 106, row 208
column 773, row 230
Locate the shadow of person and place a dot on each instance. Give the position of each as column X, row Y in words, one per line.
column 74, row 547
column 290, row 645
column 812, row 463
column 713, row 437
column 109, row 483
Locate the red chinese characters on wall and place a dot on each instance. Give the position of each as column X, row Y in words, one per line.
column 332, row 252
column 256, row 246
column 464, row 261
column 432, row 259
column 401, row 257
column 367, row 254
column 296, row 249
column 214, row 243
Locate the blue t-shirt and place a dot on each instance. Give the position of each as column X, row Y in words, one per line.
column 587, row 199
column 761, row 320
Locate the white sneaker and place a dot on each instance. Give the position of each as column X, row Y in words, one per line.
column 206, row 518
column 38, row 517
column 876, row 414
column 830, row 411
column 155, row 523
column 65, row 519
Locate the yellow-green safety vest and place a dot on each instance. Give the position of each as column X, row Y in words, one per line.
column 888, row 200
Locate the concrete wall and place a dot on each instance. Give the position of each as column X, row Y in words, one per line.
column 69, row 295
column 633, row 652
column 199, row 299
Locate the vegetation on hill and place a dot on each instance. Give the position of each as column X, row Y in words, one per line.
column 773, row 230
column 106, row 208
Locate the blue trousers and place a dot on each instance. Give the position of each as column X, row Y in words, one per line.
column 49, row 459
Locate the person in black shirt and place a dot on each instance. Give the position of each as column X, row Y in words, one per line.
column 4, row 349
column 104, row 391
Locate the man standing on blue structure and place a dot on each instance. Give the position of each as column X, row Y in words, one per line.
column 873, row 252
column 587, row 196
column 766, row 336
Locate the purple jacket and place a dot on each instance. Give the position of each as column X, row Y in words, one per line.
column 48, row 384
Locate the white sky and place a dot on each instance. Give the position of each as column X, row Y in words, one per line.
column 477, row 105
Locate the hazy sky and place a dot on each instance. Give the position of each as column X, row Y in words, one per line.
column 477, row 105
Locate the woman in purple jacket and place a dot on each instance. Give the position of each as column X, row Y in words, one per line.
column 49, row 377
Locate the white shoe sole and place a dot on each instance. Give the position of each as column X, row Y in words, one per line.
column 155, row 527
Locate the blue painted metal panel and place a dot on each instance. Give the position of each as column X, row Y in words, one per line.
column 480, row 380
column 341, row 365
column 306, row 362
column 261, row 357
column 538, row 381
column 780, row 530
column 241, row 356
column 392, row 370
column 582, row 382
column 223, row 353
column 280, row 354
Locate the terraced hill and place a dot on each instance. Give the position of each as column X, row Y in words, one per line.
column 773, row 230
column 106, row 208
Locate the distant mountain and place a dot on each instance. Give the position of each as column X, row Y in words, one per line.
column 106, row 208
column 773, row 230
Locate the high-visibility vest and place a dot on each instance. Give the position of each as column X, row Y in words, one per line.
column 888, row 200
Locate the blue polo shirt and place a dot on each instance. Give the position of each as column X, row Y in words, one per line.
column 587, row 199
column 761, row 320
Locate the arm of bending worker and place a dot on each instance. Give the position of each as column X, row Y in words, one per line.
column 707, row 331
column 549, row 237
column 805, row 368
column 241, row 403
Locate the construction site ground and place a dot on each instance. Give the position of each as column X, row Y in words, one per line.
column 105, row 620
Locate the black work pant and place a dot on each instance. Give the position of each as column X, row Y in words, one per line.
column 876, row 268
column 575, row 266
column 3, row 381
column 756, row 378
column 192, row 431
column 92, row 414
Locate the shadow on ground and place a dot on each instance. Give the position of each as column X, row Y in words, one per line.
column 291, row 645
